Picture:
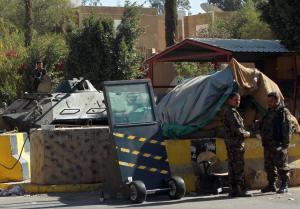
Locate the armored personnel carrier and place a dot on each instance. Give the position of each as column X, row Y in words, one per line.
column 73, row 102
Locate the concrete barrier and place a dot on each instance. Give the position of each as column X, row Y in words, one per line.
column 75, row 155
column 254, row 161
column 180, row 159
column 14, row 157
column 75, row 159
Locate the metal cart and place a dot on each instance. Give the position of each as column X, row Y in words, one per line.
column 138, row 140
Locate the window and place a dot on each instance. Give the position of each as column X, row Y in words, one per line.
column 130, row 103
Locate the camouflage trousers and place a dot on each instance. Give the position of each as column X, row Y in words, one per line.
column 236, row 163
column 276, row 163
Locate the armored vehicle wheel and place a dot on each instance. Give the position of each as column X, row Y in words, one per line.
column 137, row 192
column 177, row 188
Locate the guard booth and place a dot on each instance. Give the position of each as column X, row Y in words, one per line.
column 137, row 137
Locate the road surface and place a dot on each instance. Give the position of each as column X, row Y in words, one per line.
column 92, row 200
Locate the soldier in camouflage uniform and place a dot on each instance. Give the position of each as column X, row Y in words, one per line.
column 235, row 134
column 276, row 130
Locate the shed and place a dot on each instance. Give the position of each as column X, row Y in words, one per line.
column 269, row 56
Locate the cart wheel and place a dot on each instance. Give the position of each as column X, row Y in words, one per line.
column 137, row 193
column 177, row 188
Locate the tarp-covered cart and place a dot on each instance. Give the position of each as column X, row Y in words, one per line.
column 194, row 105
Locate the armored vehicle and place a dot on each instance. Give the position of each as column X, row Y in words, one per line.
column 73, row 102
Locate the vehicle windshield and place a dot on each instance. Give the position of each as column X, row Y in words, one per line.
column 130, row 103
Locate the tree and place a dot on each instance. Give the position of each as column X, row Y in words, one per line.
column 127, row 57
column 227, row 5
column 12, row 56
column 28, row 22
column 98, row 53
column 48, row 16
column 284, row 19
column 91, row 51
column 170, row 22
column 187, row 70
column 253, row 27
column 91, row 2
column 245, row 24
column 159, row 5
column 53, row 50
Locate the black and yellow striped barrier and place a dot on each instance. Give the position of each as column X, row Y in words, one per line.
column 140, row 139
column 142, row 158
column 138, row 153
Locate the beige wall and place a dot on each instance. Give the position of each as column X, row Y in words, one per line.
column 191, row 23
column 154, row 34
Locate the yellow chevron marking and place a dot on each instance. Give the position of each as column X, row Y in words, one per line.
column 131, row 137
column 131, row 165
column 153, row 141
column 142, row 139
column 125, row 150
column 135, row 152
column 142, row 167
column 153, row 169
column 123, row 163
column 163, row 172
column 157, row 157
column 126, row 164
column 146, row 155
column 119, row 135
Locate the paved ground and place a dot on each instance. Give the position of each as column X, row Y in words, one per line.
column 92, row 200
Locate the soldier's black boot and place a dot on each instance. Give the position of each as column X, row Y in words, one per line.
column 241, row 192
column 283, row 188
column 269, row 188
column 237, row 191
column 233, row 191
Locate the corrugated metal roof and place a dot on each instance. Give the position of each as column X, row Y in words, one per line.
column 244, row 45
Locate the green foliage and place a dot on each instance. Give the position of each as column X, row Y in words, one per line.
column 91, row 2
column 245, row 24
column 17, row 62
column 254, row 27
column 159, row 5
column 48, row 15
column 12, row 56
column 191, row 69
column 91, row 51
column 13, row 11
column 52, row 50
column 226, row 28
column 227, row 5
column 128, row 59
column 284, row 19
column 98, row 53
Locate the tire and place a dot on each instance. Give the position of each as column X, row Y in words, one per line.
column 177, row 188
column 137, row 192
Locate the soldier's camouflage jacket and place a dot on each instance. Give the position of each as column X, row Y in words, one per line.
column 276, row 127
column 233, row 124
